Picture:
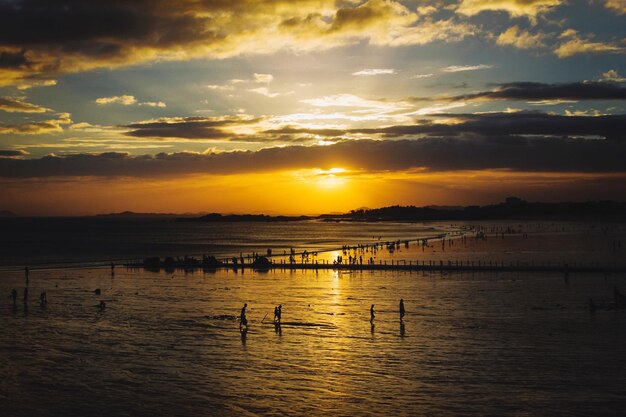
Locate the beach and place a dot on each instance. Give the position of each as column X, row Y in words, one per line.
column 168, row 343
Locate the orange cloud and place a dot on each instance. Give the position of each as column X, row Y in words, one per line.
column 17, row 105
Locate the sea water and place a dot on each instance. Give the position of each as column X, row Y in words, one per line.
column 169, row 343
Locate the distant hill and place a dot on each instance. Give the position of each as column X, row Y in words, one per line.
column 6, row 213
column 216, row 217
column 134, row 214
column 512, row 208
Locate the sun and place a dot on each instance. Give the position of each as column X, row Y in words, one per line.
column 330, row 178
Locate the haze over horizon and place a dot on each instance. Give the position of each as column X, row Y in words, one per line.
column 308, row 107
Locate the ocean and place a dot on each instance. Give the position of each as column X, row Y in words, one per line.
column 169, row 343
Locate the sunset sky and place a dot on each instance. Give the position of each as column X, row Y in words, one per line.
column 306, row 107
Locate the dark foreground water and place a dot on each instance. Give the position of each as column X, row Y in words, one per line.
column 92, row 240
column 471, row 344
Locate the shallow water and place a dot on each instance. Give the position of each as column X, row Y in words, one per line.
column 486, row 344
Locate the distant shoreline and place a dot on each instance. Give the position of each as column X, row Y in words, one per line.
column 511, row 209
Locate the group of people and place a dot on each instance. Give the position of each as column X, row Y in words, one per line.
column 401, row 309
column 43, row 297
column 278, row 311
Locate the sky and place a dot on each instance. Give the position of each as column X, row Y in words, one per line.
column 308, row 106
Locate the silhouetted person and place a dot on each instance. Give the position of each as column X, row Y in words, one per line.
column 25, row 295
column 43, row 299
column 102, row 305
column 402, row 311
column 275, row 314
column 14, row 297
column 243, row 320
column 112, row 269
column 372, row 315
column 280, row 312
column 26, row 272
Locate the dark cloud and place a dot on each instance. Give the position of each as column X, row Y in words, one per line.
column 188, row 127
column 13, row 105
column 461, row 152
column 529, row 91
column 37, row 128
column 12, row 153
column 485, row 124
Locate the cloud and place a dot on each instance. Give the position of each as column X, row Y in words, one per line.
column 375, row 71
column 460, row 68
column 512, row 124
column 263, row 78
column 345, row 100
column 426, row 10
column 521, row 39
column 574, row 45
column 612, row 76
column 618, row 6
column 461, row 152
column 153, row 104
column 190, row 127
column 42, row 39
column 17, row 105
column 426, row 32
column 226, row 87
column 418, row 76
column 516, row 8
column 37, row 128
column 124, row 100
column 6, row 153
column 264, row 91
column 587, row 90
column 127, row 100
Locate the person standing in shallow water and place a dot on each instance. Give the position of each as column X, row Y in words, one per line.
column 401, row 309
column 243, row 321
column 372, row 315
column 14, row 297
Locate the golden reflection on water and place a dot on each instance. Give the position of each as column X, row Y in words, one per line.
column 469, row 344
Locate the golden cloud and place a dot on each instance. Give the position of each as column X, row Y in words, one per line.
column 37, row 128
column 529, row 8
column 574, row 44
column 521, row 39
column 17, row 105
column 49, row 40
column 618, row 6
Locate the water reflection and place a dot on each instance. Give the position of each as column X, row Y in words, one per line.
column 244, row 336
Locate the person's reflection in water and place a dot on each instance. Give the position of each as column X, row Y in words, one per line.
column 244, row 336
column 278, row 329
column 402, row 332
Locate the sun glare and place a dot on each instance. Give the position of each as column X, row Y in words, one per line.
column 329, row 178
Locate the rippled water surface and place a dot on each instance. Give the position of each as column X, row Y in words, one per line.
column 168, row 343
column 496, row 344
